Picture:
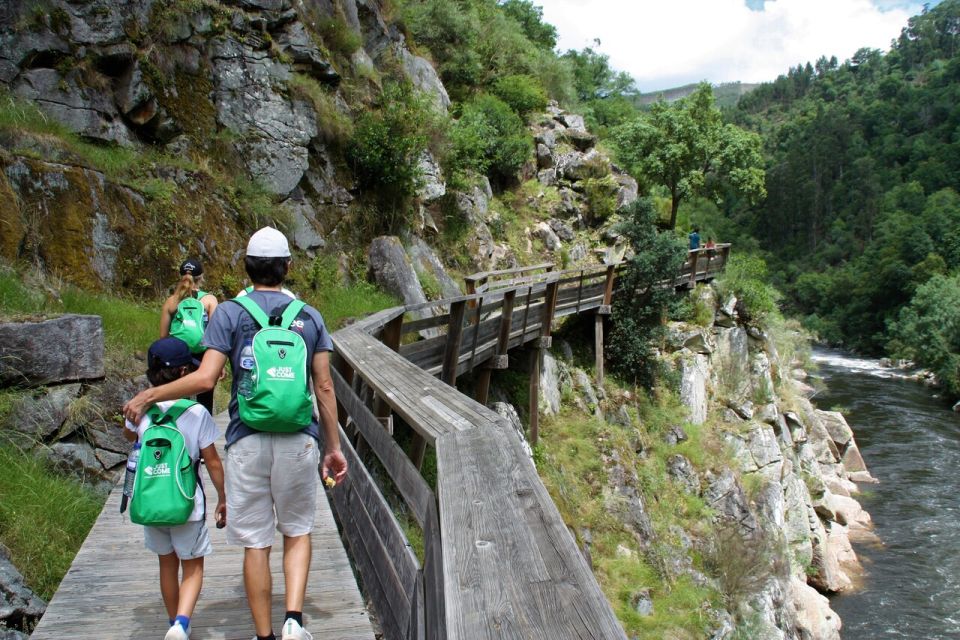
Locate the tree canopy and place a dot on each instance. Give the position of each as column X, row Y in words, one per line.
column 686, row 147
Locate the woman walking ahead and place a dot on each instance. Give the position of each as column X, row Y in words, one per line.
column 186, row 313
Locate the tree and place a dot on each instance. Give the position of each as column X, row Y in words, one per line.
column 530, row 18
column 637, row 315
column 686, row 147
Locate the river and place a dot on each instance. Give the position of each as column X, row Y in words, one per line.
column 910, row 441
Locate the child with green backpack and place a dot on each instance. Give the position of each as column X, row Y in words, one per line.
column 167, row 494
column 186, row 313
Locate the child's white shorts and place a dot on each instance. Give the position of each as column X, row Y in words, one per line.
column 190, row 540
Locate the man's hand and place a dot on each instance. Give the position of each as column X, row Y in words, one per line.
column 334, row 465
column 220, row 515
column 136, row 407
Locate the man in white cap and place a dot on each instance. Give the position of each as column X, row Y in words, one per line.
column 271, row 478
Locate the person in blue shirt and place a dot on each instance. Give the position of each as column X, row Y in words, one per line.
column 694, row 238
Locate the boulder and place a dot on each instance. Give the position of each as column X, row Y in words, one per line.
column 695, row 371
column 549, row 385
column 274, row 130
column 433, row 186
column 305, row 235
column 586, row 397
column 426, row 261
column 390, row 268
column 19, row 606
column 77, row 458
column 544, row 156
column 62, row 349
column 681, row 470
column 424, row 77
column 561, row 229
column 814, row 620
column 726, row 496
column 509, row 413
column 836, row 425
column 42, row 417
column 626, row 503
column 550, row 240
column 627, row 192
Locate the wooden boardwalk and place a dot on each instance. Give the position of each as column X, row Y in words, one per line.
column 112, row 589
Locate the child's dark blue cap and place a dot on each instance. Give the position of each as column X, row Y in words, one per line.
column 169, row 352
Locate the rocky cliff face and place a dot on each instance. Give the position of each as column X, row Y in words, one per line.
column 210, row 98
column 783, row 498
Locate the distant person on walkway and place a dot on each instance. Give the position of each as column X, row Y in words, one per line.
column 694, row 238
column 183, row 546
column 271, row 476
column 176, row 320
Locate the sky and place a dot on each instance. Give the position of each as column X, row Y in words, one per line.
column 668, row 43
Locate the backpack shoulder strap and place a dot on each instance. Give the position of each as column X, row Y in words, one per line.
column 291, row 312
column 254, row 310
column 178, row 408
column 199, row 293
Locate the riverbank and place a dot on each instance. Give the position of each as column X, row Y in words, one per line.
column 909, row 440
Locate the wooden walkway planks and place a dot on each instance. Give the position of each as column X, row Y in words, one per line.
column 112, row 590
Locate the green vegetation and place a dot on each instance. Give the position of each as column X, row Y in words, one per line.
column 489, row 138
column 637, row 318
column 685, row 148
column 745, row 276
column 335, row 126
column 862, row 182
column 572, row 450
column 44, row 518
column 337, row 301
column 128, row 326
column 385, row 152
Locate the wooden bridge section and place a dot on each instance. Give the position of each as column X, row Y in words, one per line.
column 497, row 560
column 112, row 590
column 491, row 557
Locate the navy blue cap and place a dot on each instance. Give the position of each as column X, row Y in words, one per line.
column 169, row 352
column 191, row 266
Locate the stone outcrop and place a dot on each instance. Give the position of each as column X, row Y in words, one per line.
column 20, row 608
column 66, row 348
column 805, row 463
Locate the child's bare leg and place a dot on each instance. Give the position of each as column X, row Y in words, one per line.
column 170, row 582
column 190, row 586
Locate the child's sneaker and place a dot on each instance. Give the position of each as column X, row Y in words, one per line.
column 176, row 632
column 293, row 631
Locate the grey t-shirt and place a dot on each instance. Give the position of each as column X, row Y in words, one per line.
column 231, row 327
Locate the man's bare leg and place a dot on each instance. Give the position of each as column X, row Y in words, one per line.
column 259, row 585
column 297, row 553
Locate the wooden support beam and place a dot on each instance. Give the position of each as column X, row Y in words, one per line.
column 536, row 359
column 451, row 353
column 598, row 346
column 503, row 341
column 390, row 336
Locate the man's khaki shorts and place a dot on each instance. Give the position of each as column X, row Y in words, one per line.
column 271, row 482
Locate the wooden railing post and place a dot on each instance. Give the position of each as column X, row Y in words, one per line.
column 500, row 359
column 695, row 254
column 536, row 358
column 390, row 336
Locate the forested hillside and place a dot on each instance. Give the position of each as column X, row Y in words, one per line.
column 861, row 222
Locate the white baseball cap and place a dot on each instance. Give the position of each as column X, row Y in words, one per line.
column 268, row 243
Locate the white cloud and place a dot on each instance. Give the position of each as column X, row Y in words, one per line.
column 664, row 44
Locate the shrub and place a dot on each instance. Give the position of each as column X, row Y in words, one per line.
column 523, row 93
column 386, row 147
column 745, row 276
column 638, row 310
column 489, row 138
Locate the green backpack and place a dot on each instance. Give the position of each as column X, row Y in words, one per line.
column 166, row 480
column 188, row 322
column 276, row 395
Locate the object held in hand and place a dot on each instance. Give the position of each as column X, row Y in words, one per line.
column 221, row 522
column 330, row 482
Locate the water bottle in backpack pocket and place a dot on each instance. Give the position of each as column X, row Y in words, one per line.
column 166, row 481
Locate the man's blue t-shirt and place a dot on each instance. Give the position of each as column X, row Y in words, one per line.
column 231, row 327
column 694, row 240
